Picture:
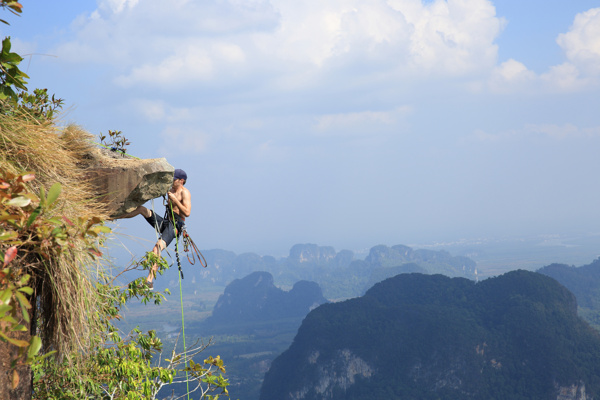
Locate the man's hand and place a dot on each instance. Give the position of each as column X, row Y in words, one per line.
column 183, row 205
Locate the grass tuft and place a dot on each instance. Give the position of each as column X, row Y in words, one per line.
column 66, row 301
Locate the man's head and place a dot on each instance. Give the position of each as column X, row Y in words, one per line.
column 180, row 174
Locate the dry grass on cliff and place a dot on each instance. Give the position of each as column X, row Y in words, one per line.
column 63, row 283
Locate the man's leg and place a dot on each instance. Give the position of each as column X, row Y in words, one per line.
column 158, row 247
column 140, row 210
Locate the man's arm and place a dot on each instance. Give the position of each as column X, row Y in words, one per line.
column 185, row 205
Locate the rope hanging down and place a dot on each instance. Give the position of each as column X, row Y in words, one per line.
column 170, row 206
column 188, row 243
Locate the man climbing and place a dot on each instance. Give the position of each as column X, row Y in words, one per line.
column 180, row 202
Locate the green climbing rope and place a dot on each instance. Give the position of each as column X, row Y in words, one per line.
column 187, row 380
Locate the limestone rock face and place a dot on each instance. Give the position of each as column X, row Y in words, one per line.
column 311, row 253
column 126, row 183
column 573, row 392
column 255, row 298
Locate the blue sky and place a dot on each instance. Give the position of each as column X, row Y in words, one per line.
column 345, row 122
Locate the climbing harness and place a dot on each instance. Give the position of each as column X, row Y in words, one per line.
column 189, row 247
column 188, row 243
column 171, row 218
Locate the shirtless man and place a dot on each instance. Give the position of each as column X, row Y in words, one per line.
column 180, row 200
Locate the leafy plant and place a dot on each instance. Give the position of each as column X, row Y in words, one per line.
column 13, row 6
column 116, row 141
column 40, row 104
column 128, row 366
column 14, row 97
column 14, row 313
column 10, row 74
column 19, row 229
column 112, row 365
column 46, row 245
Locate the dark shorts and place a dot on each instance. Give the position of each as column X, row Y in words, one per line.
column 164, row 227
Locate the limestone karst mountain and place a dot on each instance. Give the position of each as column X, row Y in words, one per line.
column 418, row 336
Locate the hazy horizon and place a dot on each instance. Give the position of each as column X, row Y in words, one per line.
column 343, row 123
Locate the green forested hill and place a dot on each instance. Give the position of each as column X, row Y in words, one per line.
column 255, row 299
column 584, row 282
column 418, row 336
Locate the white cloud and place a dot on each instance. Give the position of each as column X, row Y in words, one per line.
column 455, row 35
column 549, row 131
column 482, row 136
column 150, row 109
column 180, row 140
column 581, row 46
column 117, row 6
column 360, row 122
column 446, row 37
column 565, row 77
column 158, row 110
column 565, row 131
column 192, row 64
column 271, row 152
column 510, row 76
column 582, row 43
column 554, row 131
column 187, row 42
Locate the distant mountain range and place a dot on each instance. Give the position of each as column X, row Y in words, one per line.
column 418, row 336
column 339, row 274
column 500, row 338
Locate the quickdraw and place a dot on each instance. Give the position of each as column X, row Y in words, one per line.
column 189, row 243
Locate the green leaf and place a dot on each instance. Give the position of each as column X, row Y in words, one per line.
column 34, row 346
column 24, row 279
column 23, row 301
column 13, row 58
column 16, row 342
column 42, row 197
column 5, row 295
column 9, row 236
column 4, row 309
column 48, row 354
column 18, row 328
column 27, row 290
column 100, row 229
column 20, row 201
column 34, row 215
column 53, row 194
column 6, row 45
